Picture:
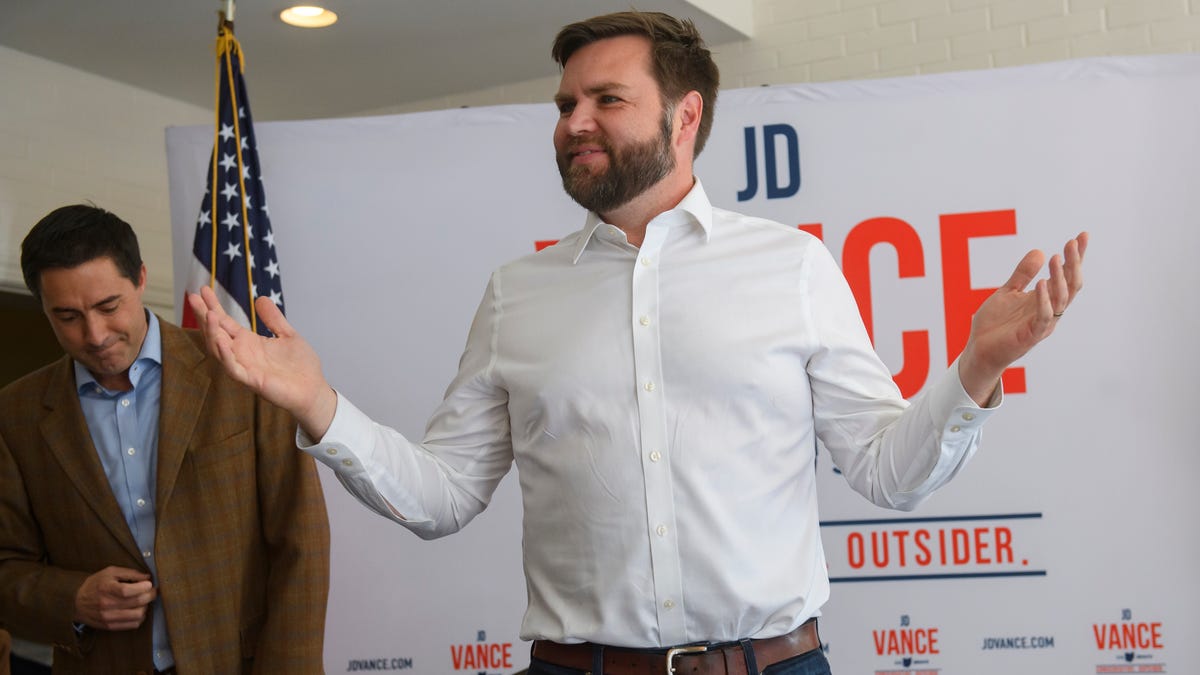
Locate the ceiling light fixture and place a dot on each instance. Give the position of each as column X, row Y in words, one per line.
column 307, row 16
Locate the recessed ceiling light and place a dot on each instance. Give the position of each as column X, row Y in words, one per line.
column 307, row 16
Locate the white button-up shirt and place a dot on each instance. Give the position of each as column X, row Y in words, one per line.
column 663, row 406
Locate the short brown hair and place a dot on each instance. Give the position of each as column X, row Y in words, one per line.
column 681, row 61
column 70, row 236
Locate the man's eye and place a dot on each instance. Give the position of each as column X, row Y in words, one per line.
column 609, row 99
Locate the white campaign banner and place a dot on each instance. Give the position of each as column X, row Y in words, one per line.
column 1066, row 546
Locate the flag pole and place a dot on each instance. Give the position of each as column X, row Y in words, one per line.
column 230, row 224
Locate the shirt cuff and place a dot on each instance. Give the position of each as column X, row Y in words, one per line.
column 350, row 429
column 348, row 448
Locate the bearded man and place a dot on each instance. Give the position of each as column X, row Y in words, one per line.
column 660, row 378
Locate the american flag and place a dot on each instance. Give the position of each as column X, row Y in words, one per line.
column 234, row 249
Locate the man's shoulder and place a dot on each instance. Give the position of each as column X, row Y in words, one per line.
column 731, row 224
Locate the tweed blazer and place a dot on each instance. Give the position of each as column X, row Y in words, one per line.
column 5, row 652
column 242, row 538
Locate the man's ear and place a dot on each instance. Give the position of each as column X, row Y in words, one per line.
column 687, row 117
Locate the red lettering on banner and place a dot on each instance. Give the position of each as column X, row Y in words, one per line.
column 854, row 548
column 960, row 541
column 879, row 548
column 905, row 641
column 1128, row 635
column 961, row 301
column 815, row 229
column 953, row 547
column 1004, row 552
column 900, row 535
column 494, row 655
column 910, row 256
column 923, row 555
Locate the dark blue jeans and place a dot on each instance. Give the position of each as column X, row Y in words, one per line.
column 812, row 663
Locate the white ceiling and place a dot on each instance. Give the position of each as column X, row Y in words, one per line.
column 380, row 53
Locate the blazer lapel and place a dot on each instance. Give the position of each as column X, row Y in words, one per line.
column 65, row 432
column 184, row 388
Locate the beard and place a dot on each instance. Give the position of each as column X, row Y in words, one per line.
column 631, row 171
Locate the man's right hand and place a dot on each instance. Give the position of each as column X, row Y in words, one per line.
column 284, row 369
column 115, row 598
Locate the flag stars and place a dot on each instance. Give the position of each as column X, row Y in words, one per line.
column 230, row 191
column 272, row 268
column 203, row 220
column 245, row 143
column 231, row 221
column 270, row 238
column 226, row 132
column 277, row 298
column 228, row 162
column 234, row 251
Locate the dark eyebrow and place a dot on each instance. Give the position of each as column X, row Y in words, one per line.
column 602, row 88
column 103, row 301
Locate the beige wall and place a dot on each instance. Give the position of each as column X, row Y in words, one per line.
column 67, row 136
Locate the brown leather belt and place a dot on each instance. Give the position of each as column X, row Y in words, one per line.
column 726, row 658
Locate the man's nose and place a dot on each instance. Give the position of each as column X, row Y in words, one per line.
column 581, row 120
column 94, row 331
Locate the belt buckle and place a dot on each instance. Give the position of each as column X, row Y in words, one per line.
column 677, row 651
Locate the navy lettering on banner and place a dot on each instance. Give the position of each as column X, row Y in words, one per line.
column 771, row 133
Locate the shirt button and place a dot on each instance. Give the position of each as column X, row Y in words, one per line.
column 141, row 502
column 655, row 456
column 131, row 452
column 347, row 462
column 331, row 451
column 125, row 402
column 649, row 386
column 661, row 530
column 145, row 554
column 968, row 416
column 956, row 428
column 668, row 604
column 645, row 321
column 646, row 260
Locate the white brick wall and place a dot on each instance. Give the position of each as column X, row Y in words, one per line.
column 66, row 136
column 820, row 40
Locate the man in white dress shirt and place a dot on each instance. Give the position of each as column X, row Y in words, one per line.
column 659, row 378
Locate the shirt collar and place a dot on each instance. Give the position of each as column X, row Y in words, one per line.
column 694, row 207
column 150, row 353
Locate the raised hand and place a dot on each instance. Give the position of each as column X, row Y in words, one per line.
column 284, row 369
column 1012, row 320
column 115, row 598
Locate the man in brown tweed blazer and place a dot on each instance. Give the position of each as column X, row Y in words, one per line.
column 154, row 514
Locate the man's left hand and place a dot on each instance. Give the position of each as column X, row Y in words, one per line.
column 1012, row 320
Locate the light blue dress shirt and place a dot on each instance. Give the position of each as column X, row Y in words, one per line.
column 124, row 428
